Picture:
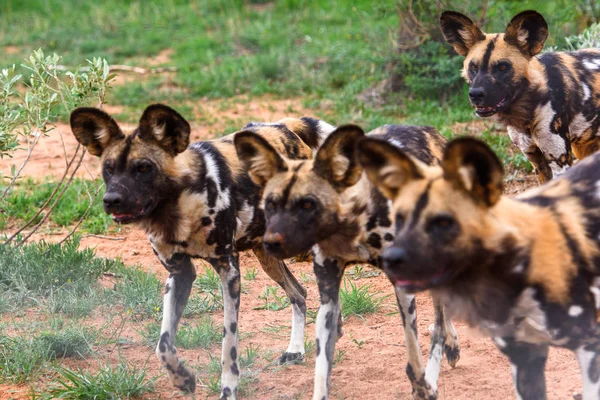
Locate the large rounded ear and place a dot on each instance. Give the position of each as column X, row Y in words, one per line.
column 460, row 31
column 472, row 166
column 94, row 129
column 388, row 167
column 337, row 159
column 527, row 31
column 258, row 157
column 165, row 126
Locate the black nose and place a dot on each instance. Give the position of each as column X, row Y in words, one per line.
column 476, row 95
column 112, row 199
column 273, row 242
column 394, row 256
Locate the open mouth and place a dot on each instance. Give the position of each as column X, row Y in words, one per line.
column 126, row 218
column 488, row 111
column 417, row 285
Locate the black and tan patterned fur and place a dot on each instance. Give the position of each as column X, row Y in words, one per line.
column 196, row 201
column 523, row 270
column 549, row 102
column 328, row 205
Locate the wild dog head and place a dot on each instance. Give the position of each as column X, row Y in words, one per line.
column 441, row 213
column 301, row 198
column 139, row 168
column 496, row 66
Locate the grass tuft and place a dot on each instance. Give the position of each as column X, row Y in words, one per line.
column 109, row 383
column 357, row 300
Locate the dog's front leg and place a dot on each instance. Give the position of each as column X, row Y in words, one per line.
column 589, row 362
column 177, row 291
column 329, row 273
column 229, row 271
column 527, row 362
column 421, row 387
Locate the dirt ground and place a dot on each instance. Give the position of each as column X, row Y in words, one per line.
column 375, row 370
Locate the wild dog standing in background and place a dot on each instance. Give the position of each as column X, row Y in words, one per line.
column 327, row 204
column 524, row 270
column 196, row 202
column 550, row 103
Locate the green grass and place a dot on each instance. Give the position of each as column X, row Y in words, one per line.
column 202, row 334
column 272, row 300
column 22, row 356
column 139, row 291
column 123, row 381
column 43, row 270
column 358, row 300
column 28, row 196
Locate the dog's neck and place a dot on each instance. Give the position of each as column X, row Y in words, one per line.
column 520, row 114
column 360, row 211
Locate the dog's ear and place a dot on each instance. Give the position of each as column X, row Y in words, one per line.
column 527, row 31
column 94, row 129
column 337, row 159
column 473, row 167
column 166, row 127
column 460, row 31
column 258, row 157
column 388, row 167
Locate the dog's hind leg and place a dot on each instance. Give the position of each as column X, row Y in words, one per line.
column 279, row 272
column 177, row 291
column 422, row 388
column 228, row 268
column 527, row 362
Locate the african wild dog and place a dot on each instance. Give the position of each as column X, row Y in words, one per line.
column 327, row 204
column 524, row 270
column 196, row 201
column 549, row 102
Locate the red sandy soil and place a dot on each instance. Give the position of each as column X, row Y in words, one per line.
column 373, row 371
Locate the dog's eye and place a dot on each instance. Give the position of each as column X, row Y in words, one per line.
column 109, row 169
column 144, row 168
column 399, row 222
column 473, row 67
column 270, row 205
column 441, row 224
column 503, row 67
column 308, row 204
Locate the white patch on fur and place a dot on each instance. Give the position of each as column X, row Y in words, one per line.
column 522, row 36
column 595, row 289
column 586, row 91
column 159, row 131
column 590, row 388
column 520, row 139
column 500, row 342
column 526, row 322
column 579, row 125
column 519, row 268
column 396, row 143
column 324, row 130
column 321, row 363
column 467, row 174
column 244, row 218
column 212, row 172
column 592, row 64
column 297, row 338
column 575, row 311
column 513, row 370
column 339, row 166
column 557, row 170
